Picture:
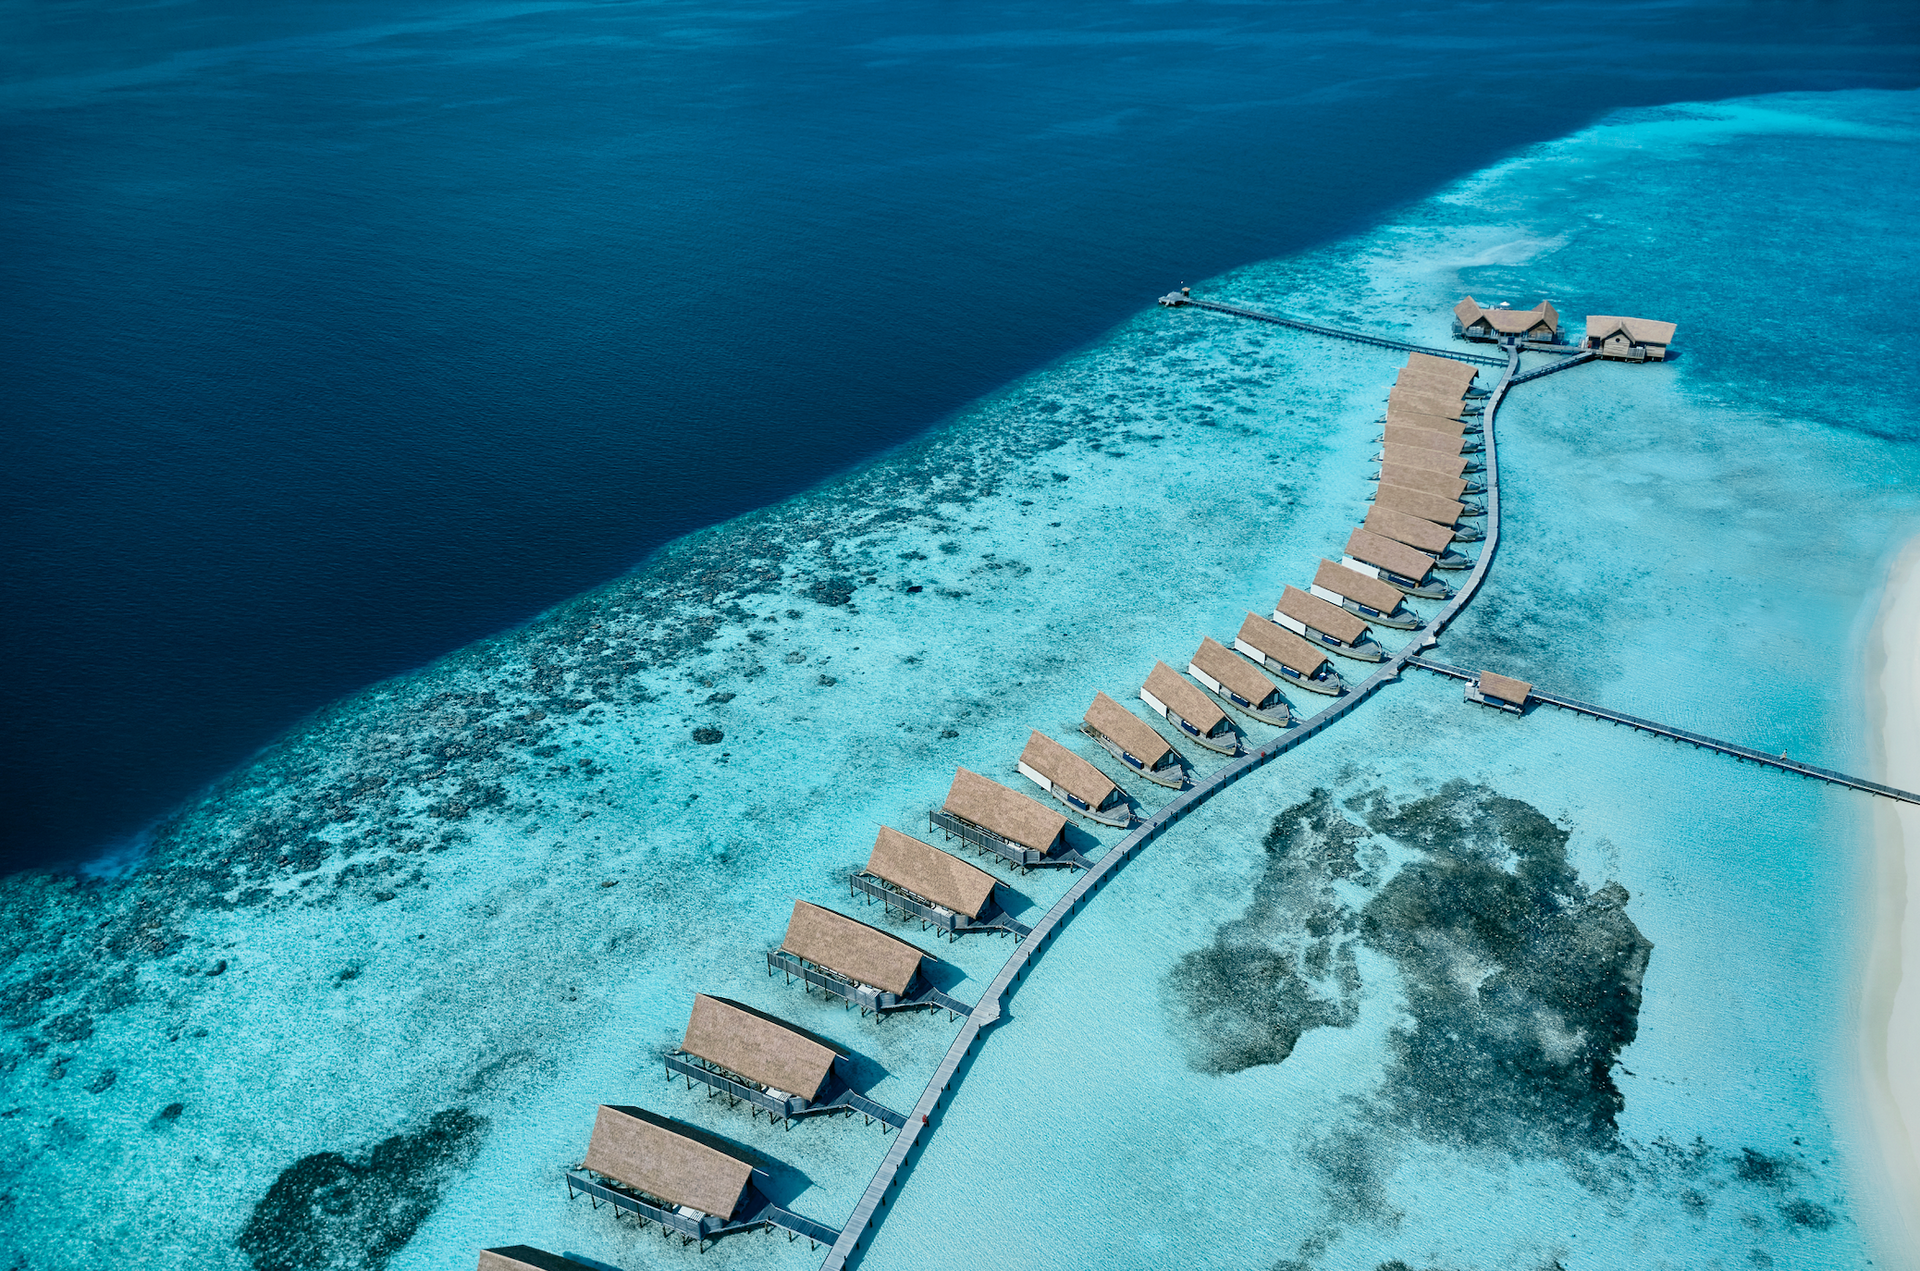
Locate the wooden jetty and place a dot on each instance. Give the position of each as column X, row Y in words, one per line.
column 1745, row 754
column 1175, row 299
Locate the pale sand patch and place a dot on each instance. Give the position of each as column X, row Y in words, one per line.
column 1890, row 1007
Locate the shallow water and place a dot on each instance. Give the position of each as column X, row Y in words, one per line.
column 489, row 890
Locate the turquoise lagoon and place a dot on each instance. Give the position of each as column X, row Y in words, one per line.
column 1441, row 988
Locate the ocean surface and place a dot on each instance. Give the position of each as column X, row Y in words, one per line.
column 339, row 335
column 1441, row 988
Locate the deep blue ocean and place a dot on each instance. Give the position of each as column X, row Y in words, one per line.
column 337, row 335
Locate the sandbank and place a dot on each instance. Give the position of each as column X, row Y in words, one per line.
column 1889, row 1042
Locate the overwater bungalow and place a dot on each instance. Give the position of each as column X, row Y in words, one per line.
column 1250, row 693
column 769, row 1064
column 1129, row 739
column 1432, row 423
column 1278, row 649
column 784, row 1062
column 850, row 960
column 1427, row 439
column 694, row 1184
column 1176, row 700
column 1429, row 482
column 1499, row 691
column 937, row 887
column 1446, row 513
column 1364, row 595
column 1453, row 465
column 1002, row 821
column 1629, row 339
column 1475, row 321
column 1394, row 562
column 1073, row 781
column 1433, row 540
column 527, row 1258
column 1447, row 368
column 1324, row 623
column 1425, row 402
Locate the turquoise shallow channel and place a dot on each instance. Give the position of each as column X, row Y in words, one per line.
column 1441, row 988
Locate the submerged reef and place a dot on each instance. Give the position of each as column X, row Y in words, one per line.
column 1522, row 986
column 327, row 1210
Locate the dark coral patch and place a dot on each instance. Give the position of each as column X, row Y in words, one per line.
column 328, row 1211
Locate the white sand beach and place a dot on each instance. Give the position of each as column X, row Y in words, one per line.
column 1890, row 1009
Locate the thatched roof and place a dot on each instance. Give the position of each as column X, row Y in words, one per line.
column 864, row 954
column 1505, row 688
column 1321, row 615
column 1127, row 729
column 1411, row 478
column 1428, row 364
column 1423, row 439
column 1011, row 815
column 1418, row 457
column 1178, row 693
column 1639, row 330
column 526, row 1258
column 1067, row 770
column 664, row 1158
column 1354, row 585
column 925, row 870
column 1432, row 423
column 1233, row 672
column 1428, row 507
column 1280, row 644
column 1420, row 402
column 1508, row 321
column 758, row 1047
column 1411, row 530
column 1388, row 554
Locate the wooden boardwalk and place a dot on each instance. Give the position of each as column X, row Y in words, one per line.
column 869, row 1211
column 1745, row 754
column 1338, row 333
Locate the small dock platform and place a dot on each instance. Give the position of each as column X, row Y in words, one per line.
column 1743, row 754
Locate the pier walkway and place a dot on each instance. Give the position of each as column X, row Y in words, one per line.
column 867, row 1212
column 1573, row 359
column 1386, row 342
column 1745, row 754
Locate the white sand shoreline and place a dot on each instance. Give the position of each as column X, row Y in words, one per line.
column 1889, row 1037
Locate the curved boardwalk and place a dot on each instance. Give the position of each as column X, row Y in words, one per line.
column 867, row 1214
